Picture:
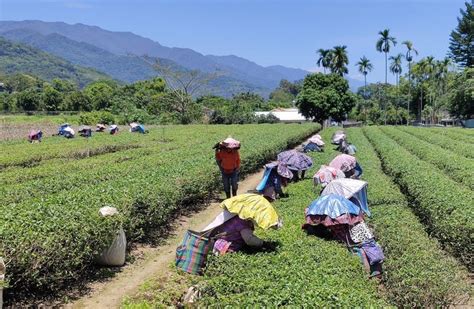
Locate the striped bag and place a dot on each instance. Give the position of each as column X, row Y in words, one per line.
column 191, row 255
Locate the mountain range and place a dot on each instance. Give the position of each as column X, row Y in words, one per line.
column 21, row 58
column 120, row 55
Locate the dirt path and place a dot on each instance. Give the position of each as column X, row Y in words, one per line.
column 156, row 261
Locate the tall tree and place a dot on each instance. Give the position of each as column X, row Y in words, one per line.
column 324, row 96
column 409, row 57
column 396, row 66
column 383, row 45
column 462, row 96
column 430, row 70
column 339, row 60
column 423, row 72
column 461, row 45
column 324, row 59
column 364, row 67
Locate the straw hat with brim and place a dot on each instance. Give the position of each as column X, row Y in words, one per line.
column 231, row 143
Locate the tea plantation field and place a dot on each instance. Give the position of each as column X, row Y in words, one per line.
column 422, row 209
column 50, row 193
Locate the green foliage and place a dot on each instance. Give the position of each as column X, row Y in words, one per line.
column 383, row 44
column 240, row 109
column 51, row 98
column 462, row 95
column 52, row 231
column 19, row 58
column 29, row 100
column 380, row 104
column 441, row 203
column 417, row 272
column 457, row 167
column 284, row 95
column 325, row 96
column 77, row 101
column 336, row 60
column 444, row 139
column 270, row 118
column 92, row 118
column 20, row 82
column 461, row 41
column 99, row 94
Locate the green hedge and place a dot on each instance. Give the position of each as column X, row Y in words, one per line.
column 448, row 143
column 443, row 205
column 417, row 272
column 50, row 240
column 465, row 135
column 457, row 167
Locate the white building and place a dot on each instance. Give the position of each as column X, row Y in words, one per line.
column 285, row 114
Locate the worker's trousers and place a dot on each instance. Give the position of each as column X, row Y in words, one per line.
column 230, row 180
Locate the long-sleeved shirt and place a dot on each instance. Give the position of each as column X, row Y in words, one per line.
column 238, row 232
column 228, row 161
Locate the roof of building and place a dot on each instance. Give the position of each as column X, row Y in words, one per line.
column 285, row 114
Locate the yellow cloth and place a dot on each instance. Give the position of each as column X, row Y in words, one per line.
column 254, row 207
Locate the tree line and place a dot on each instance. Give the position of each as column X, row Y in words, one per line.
column 156, row 100
column 430, row 89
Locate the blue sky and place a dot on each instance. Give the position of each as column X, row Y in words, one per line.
column 266, row 32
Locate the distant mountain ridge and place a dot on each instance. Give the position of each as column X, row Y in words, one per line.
column 21, row 58
column 124, row 68
column 119, row 55
column 126, row 43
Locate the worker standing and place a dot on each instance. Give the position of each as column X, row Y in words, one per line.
column 228, row 160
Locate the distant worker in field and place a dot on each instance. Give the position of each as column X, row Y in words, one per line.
column 114, row 129
column 100, row 127
column 35, row 136
column 66, row 131
column 228, row 160
column 136, row 127
column 348, row 165
column 296, row 161
column 346, row 147
column 275, row 177
column 85, row 131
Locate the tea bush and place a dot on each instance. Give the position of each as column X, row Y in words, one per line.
column 461, row 148
column 443, row 205
column 50, row 240
column 417, row 272
column 457, row 167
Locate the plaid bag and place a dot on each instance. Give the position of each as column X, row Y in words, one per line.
column 191, row 255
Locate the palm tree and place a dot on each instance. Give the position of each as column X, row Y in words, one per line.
column 364, row 67
column 409, row 58
column 324, row 59
column 383, row 45
column 396, row 66
column 430, row 69
column 421, row 70
column 339, row 60
column 441, row 71
column 442, row 68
